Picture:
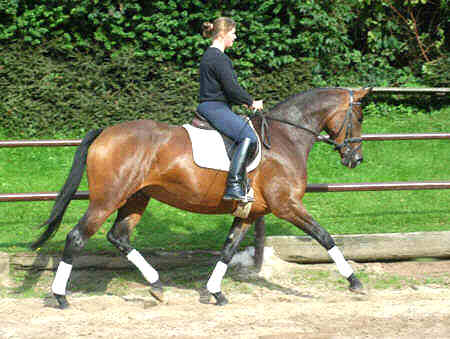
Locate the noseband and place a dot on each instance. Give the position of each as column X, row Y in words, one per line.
column 265, row 135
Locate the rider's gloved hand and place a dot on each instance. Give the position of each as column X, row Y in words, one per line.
column 257, row 105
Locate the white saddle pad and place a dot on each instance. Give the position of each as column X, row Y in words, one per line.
column 209, row 150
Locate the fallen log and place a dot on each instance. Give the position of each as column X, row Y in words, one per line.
column 160, row 259
column 301, row 249
column 364, row 247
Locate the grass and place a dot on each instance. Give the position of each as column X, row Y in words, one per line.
column 163, row 227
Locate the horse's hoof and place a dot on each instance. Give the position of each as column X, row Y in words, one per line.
column 220, row 298
column 205, row 296
column 355, row 285
column 62, row 301
column 156, row 290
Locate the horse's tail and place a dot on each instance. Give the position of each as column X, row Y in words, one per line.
column 68, row 190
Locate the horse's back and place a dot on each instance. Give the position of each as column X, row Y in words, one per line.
column 137, row 129
column 135, row 134
column 132, row 149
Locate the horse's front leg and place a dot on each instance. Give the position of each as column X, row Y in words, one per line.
column 300, row 218
column 237, row 232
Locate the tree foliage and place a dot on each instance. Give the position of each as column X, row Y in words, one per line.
column 408, row 32
column 272, row 33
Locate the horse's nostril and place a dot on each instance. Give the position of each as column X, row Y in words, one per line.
column 358, row 158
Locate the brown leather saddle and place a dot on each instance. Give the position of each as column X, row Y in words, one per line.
column 200, row 122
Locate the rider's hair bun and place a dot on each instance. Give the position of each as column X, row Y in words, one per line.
column 208, row 29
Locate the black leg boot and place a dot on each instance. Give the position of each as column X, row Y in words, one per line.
column 235, row 182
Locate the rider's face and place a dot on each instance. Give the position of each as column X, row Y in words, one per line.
column 229, row 38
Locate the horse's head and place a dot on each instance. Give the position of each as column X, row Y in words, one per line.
column 344, row 128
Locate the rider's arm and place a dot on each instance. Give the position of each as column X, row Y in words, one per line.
column 227, row 77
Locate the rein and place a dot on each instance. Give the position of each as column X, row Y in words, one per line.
column 266, row 139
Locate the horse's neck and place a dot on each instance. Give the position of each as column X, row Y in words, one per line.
column 288, row 140
column 301, row 139
column 308, row 109
column 305, row 114
column 299, row 115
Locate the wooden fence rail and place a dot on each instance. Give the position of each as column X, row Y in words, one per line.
column 365, row 137
column 410, row 90
column 312, row 188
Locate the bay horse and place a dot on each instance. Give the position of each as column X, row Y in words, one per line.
column 129, row 163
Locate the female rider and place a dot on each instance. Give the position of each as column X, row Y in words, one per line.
column 219, row 89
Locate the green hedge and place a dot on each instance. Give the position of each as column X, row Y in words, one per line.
column 45, row 96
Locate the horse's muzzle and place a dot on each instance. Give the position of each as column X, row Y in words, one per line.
column 352, row 161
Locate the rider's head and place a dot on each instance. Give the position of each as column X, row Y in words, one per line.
column 222, row 28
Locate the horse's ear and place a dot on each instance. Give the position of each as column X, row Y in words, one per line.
column 359, row 94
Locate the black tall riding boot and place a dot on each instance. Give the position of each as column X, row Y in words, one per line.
column 235, row 181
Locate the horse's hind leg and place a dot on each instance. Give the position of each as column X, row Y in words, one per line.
column 237, row 232
column 128, row 217
column 75, row 242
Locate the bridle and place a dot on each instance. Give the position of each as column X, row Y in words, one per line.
column 348, row 121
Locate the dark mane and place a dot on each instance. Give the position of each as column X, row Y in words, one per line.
column 300, row 94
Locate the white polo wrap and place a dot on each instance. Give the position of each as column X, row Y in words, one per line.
column 215, row 280
column 61, row 278
column 343, row 266
column 146, row 269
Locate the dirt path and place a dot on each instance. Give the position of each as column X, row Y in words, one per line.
column 285, row 301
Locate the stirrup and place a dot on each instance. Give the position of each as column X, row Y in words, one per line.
column 245, row 195
column 243, row 208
